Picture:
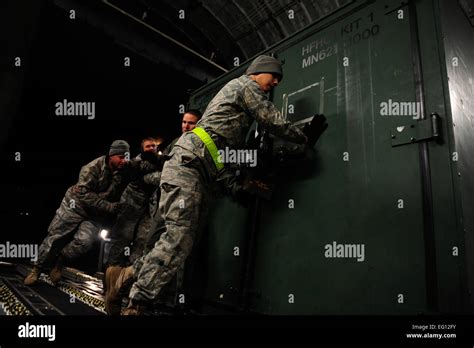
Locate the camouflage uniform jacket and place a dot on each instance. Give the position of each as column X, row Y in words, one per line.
column 96, row 188
column 230, row 114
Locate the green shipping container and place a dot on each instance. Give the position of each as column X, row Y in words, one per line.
column 381, row 219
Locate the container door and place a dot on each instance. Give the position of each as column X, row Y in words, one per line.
column 344, row 232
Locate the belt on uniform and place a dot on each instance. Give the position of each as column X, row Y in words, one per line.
column 210, row 145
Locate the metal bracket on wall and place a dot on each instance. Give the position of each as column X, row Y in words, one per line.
column 417, row 131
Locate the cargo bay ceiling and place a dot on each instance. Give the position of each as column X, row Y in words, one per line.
column 203, row 38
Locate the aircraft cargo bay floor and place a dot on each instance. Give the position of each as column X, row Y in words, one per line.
column 76, row 294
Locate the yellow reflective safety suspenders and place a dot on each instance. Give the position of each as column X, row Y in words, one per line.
column 211, row 146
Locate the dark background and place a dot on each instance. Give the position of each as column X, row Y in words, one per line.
column 82, row 60
column 71, row 60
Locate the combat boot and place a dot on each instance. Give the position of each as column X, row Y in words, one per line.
column 117, row 283
column 112, row 301
column 56, row 271
column 32, row 277
column 134, row 308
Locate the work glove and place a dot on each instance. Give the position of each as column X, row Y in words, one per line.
column 135, row 169
column 248, row 185
column 147, row 167
column 130, row 171
column 258, row 187
column 314, row 129
column 153, row 158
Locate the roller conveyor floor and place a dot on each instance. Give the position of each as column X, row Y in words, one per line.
column 76, row 294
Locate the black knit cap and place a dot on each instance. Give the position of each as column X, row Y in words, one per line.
column 119, row 147
column 265, row 64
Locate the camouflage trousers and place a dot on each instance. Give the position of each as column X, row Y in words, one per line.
column 133, row 226
column 185, row 183
column 67, row 221
column 169, row 294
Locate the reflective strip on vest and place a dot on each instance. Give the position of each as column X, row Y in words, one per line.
column 211, row 146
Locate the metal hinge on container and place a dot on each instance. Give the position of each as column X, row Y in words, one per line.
column 417, row 131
